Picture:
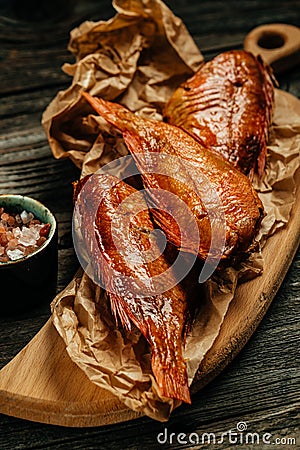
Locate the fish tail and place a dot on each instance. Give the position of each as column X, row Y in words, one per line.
column 171, row 379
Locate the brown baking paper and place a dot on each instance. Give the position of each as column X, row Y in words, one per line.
column 138, row 58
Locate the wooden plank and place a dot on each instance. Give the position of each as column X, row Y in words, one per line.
column 51, row 386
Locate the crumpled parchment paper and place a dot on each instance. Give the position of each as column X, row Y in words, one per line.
column 138, row 58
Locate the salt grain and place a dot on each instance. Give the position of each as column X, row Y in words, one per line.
column 15, row 254
column 29, row 236
column 4, row 216
column 41, row 240
column 16, row 232
column 9, row 235
column 30, row 249
column 3, row 239
column 10, row 221
column 25, row 216
column 12, row 244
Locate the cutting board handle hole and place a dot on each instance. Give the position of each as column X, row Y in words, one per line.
column 271, row 40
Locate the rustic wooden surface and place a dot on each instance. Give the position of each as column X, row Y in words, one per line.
column 261, row 386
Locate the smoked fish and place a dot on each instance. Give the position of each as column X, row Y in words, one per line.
column 227, row 106
column 127, row 262
column 233, row 198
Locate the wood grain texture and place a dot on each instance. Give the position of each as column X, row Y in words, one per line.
column 42, row 384
column 261, row 385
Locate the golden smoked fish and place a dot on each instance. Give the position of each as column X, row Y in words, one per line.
column 227, row 106
column 233, row 198
column 125, row 261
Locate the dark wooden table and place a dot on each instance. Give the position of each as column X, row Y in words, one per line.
column 261, row 386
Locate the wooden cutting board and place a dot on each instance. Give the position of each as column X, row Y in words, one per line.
column 42, row 383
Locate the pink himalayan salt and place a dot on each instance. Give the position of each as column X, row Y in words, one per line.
column 15, row 254
column 4, row 216
column 13, row 243
column 20, row 235
column 10, row 221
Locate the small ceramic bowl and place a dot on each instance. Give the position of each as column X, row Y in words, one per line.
column 30, row 280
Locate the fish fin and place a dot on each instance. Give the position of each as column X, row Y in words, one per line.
column 172, row 380
column 118, row 311
column 78, row 185
column 251, row 173
column 108, row 110
column 261, row 161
